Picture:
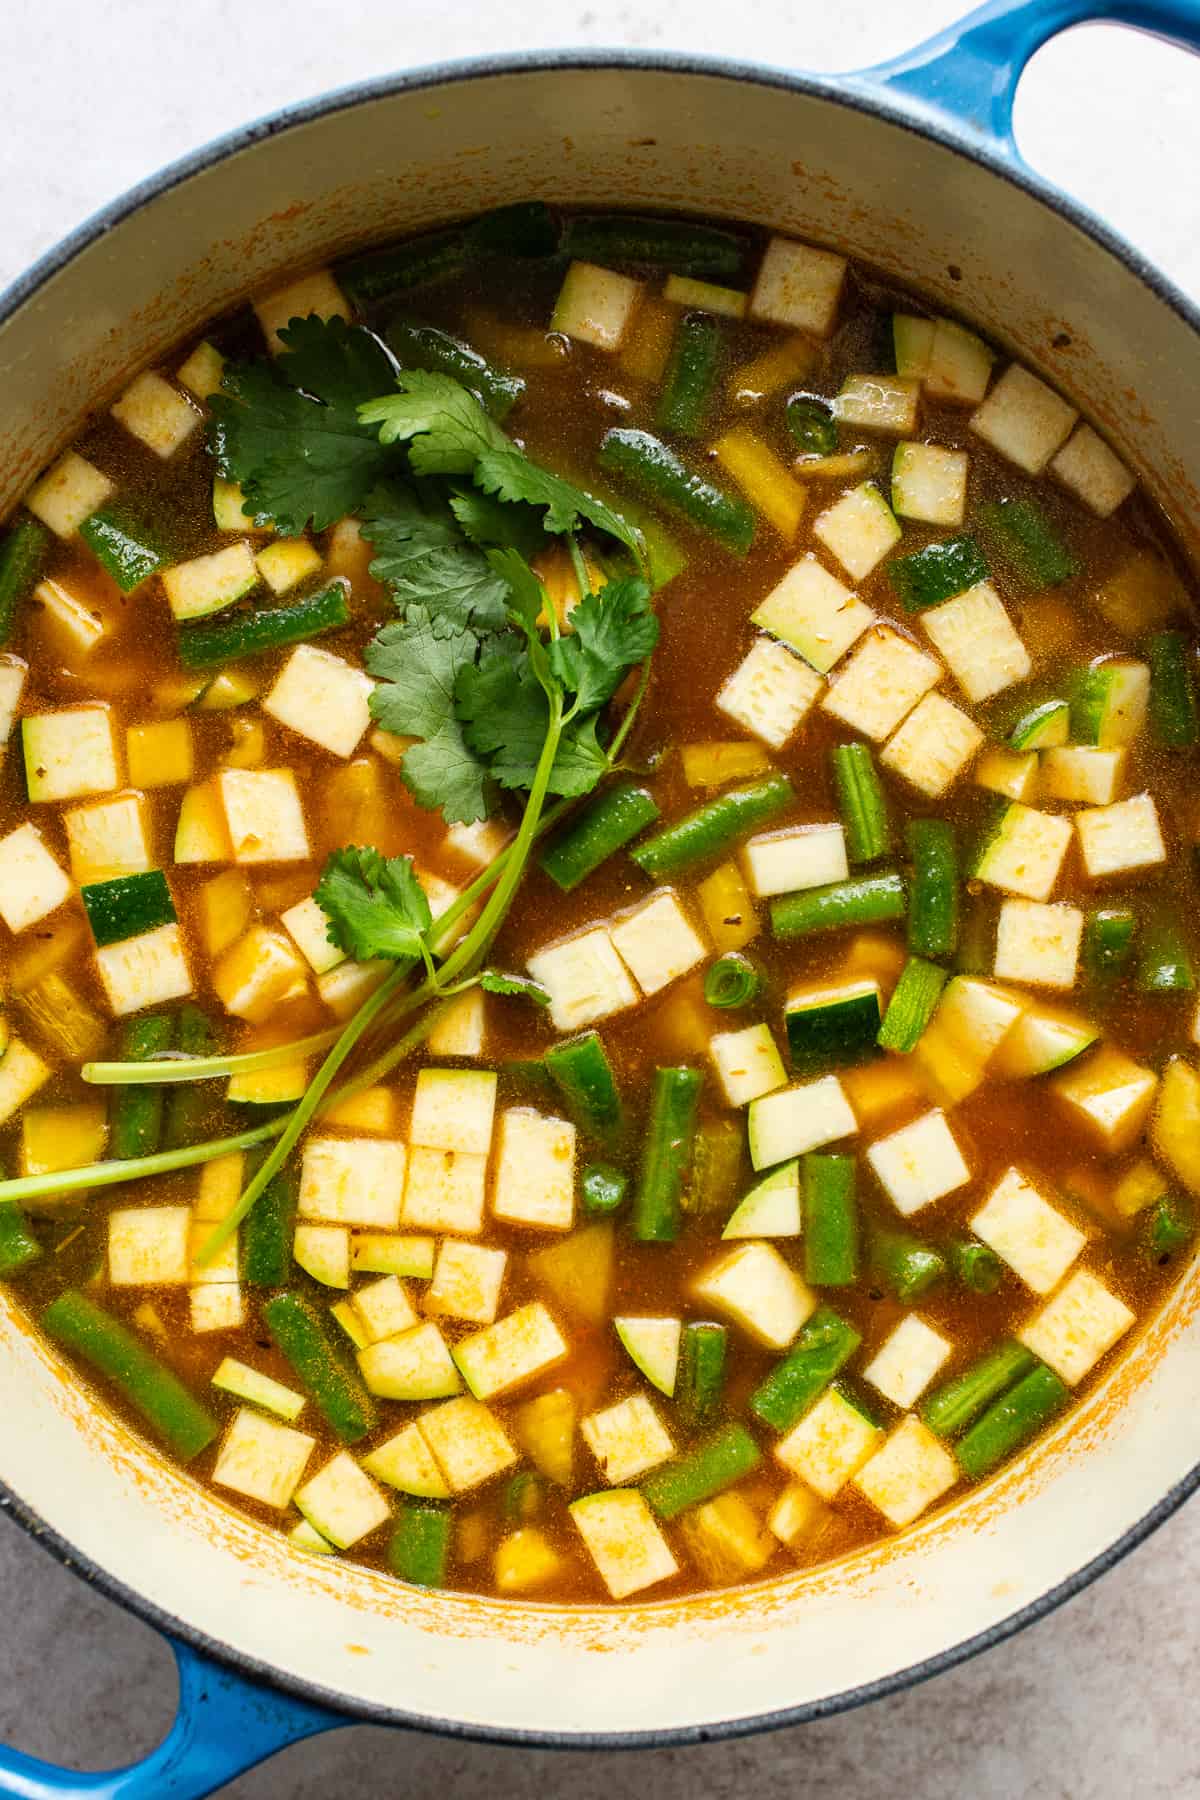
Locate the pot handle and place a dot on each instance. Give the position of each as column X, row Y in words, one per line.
column 224, row 1725
column 970, row 71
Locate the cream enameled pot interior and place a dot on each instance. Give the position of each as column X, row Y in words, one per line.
column 825, row 170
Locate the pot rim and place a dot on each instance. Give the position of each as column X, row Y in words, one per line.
column 860, row 92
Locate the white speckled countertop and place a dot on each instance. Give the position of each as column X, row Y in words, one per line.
column 1094, row 1702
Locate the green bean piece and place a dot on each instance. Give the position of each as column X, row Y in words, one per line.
column 1174, row 714
column 420, row 346
column 322, row 1367
column 1164, row 1229
column 976, row 1266
column 717, row 1159
column 732, row 980
column 525, row 228
column 153, row 1390
column 666, row 1155
column 700, row 1473
column 137, row 1112
column 675, row 244
column 666, row 480
column 958, row 1402
column 1108, row 936
column 257, row 633
column 1028, row 541
column 604, row 1190
column 863, row 900
column 604, row 826
column 811, row 422
column 439, row 256
column 267, row 1232
column 691, row 375
column 908, row 1267
column 709, row 830
column 419, row 1548
column 1164, row 964
column 861, row 803
column 701, row 1376
column 933, row 898
column 190, row 1103
column 22, row 552
column 1011, row 1421
column 825, row 1344
column 911, row 1006
column 18, row 1246
column 830, row 1220
column 580, row 1070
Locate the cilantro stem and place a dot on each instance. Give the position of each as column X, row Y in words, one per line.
column 134, row 1168
column 582, row 578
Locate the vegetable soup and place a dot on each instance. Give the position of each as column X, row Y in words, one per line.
column 599, row 907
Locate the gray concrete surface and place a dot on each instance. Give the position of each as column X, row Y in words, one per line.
column 1097, row 1701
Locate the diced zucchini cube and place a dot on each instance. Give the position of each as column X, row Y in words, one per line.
column 1041, row 1041
column 1024, row 852
column 907, row 1361
column 880, row 683
column 453, row 1109
column 767, row 483
column 316, row 293
column 416, row 1365
column 919, row 1164
column 232, row 687
column 796, row 1516
column 812, row 612
column 1093, row 472
column 384, row 1309
column 245, row 1383
column 156, row 414
column 1107, row 1096
column 344, row 988
column 201, row 835
column 145, row 971
column 209, row 583
column 228, row 507
column 308, row 927
column 32, row 885
column 770, row 692
column 392, row 1253
column 444, row 1191
column 264, row 816
column 1013, row 773
column 462, row 1028
column 960, row 364
column 585, row 978
column 201, row 373
column 323, row 1251
column 829, row 1445
column 322, row 697
column 22, row 1073
column 596, row 306
column 535, row 1171
column 352, row 1181
column 466, row 1282
column 269, row 1087
column 1082, row 773
column 859, row 529
column 257, row 973
column 973, row 1019
column 159, row 754
column 68, row 494
column 704, row 296
column 342, row 1503
column 1111, row 700
column 525, row 1559
column 653, row 1347
column 878, row 402
column 627, row 1439
column 1043, row 727
column 934, row 745
column 623, row 1540
column 929, row 483
column 752, row 1285
column 910, row 1472
column 833, row 1023
column 517, row 1347
column 726, row 1539
column 1024, row 420
column 479, row 844
column 772, row 1207
column 795, row 1120
column 1077, row 1327
column 1121, row 839
column 76, row 624
column 798, row 286
column 286, row 562
column 262, row 1459
column 468, row 1442
column 1038, row 944
column 108, row 838
column 14, row 673
column 802, row 856
column 912, row 342
column 976, row 637
column 406, row 1462
column 656, row 941
column 148, row 1246
column 70, row 752
column 216, row 1307
column 1031, row 1236
column 747, row 1062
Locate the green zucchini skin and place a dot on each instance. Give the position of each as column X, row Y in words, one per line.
column 938, row 572
column 127, row 906
column 691, row 376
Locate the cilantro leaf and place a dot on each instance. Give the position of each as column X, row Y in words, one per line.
column 375, row 906
column 443, row 424
column 509, row 474
column 518, row 987
column 287, row 431
column 610, row 633
column 496, row 525
column 417, row 672
column 425, row 559
column 525, row 594
column 505, row 718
